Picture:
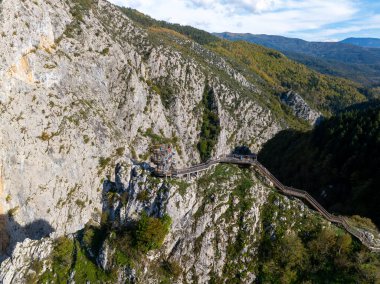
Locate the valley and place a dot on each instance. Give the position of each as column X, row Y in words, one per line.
column 89, row 91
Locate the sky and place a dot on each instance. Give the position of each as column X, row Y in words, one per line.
column 314, row 20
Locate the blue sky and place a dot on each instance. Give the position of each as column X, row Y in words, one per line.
column 318, row 20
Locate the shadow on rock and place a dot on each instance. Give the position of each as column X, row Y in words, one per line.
column 133, row 191
column 242, row 150
column 35, row 231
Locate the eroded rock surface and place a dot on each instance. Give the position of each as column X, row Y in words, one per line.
column 300, row 107
column 80, row 88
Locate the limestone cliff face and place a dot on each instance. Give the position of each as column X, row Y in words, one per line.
column 217, row 226
column 300, row 108
column 16, row 269
column 84, row 89
column 208, row 216
column 78, row 90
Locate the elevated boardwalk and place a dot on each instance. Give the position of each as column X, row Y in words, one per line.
column 251, row 161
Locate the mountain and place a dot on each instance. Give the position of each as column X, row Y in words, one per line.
column 333, row 58
column 363, row 42
column 337, row 51
column 338, row 161
column 269, row 69
column 89, row 90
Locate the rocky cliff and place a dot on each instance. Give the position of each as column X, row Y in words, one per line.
column 81, row 85
column 217, row 225
column 300, row 108
column 82, row 89
column 227, row 224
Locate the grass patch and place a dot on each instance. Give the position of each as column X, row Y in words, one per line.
column 44, row 136
column 105, row 51
column 61, row 259
column 181, row 185
column 103, row 162
column 160, row 139
column 143, row 196
column 120, row 151
column 86, row 139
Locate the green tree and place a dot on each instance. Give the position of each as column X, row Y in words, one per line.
column 150, row 232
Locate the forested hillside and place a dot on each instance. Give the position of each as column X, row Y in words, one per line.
column 338, row 161
column 268, row 68
column 325, row 93
column 332, row 58
column 363, row 42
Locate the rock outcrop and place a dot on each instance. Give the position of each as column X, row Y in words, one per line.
column 22, row 264
column 300, row 107
column 215, row 218
column 81, row 86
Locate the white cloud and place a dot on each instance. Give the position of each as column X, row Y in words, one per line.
column 283, row 17
column 353, row 28
column 248, row 6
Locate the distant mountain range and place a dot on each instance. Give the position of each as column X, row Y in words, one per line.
column 351, row 61
column 363, row 42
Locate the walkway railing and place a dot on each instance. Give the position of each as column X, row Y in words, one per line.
column 251, row 160
column 306, row 196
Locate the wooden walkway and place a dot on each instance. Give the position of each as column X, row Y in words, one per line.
column 251, row 161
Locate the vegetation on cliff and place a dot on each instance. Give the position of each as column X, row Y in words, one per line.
column 295, row 245
column 79, row 257
column 197, row 35
column 210, row 128
column 150, row 232
column 322, row 92
column 356, row 63
column 266, row 67
column 338, row 161
column 311, row 252
column 289, row 244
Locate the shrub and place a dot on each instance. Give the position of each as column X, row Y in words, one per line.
column 171, row 268
column 105, row 51
column 86, row 139
column 80, row 8
column 120, row 151
column 150, row 232
column 143, row 196
column 44, row 136
column 103, row 162
column 12, row 212
column 80, row 203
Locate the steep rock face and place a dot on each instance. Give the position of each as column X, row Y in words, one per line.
column 300, row 108
column 216, row 229
column 20, row 266
column 207, row 218
column 78, row 90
